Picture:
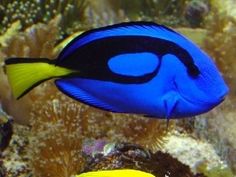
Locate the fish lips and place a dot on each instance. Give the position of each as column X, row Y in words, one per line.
column 191, row 107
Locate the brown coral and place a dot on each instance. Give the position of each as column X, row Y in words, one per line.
column 61, row 125
column 147, row 132
column 37, row 41
column 56, row 137
column 125, row 155
column 220, row 43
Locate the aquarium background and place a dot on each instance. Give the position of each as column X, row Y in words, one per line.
column 47, row 134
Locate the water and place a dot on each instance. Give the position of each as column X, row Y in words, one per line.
column 52, row 131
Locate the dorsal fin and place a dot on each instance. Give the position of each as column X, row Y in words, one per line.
column 149, row 29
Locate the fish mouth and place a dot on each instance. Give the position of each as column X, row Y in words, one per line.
column 222, row 98
column 216, row 101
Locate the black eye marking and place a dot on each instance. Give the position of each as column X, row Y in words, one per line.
column 193, row 70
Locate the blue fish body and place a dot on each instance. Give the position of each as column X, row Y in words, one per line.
column 142, row 68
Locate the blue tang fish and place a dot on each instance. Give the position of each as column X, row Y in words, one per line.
column 135, row 67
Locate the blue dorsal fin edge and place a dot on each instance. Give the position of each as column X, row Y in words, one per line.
column 109, row 31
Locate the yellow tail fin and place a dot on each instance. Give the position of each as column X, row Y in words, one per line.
column 116, row 173
column 25, row 74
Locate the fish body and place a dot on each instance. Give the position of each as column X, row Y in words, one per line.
column 116, row 173
column 135, row 67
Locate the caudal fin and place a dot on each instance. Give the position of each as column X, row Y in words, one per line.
column 24, row 74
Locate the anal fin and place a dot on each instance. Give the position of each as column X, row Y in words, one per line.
column 170, row 103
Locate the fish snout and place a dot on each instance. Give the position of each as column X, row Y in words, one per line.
column 223, row 94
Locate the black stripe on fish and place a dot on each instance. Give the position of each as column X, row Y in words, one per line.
column 142, row 24
column 27, row 60
column 92, row 59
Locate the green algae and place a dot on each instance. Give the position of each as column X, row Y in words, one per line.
column 218, row 171
column 34, row 11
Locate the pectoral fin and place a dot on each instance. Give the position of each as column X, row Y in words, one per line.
column 170, row 102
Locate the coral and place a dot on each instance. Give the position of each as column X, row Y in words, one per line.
column 163, row 160
column 147, row 132
column 2, row 169
column 13, row 30
column 217, row 127
column 56, row 139
column 4, row 118
column 15, row 158
column 5, row 130
column 72, row 12
column 216, row 171
column 198, row 35
column 91, row 147
column 61, row 126
column 34, row 11
column 101, row 13
column 135, row 129
column 125, row 155
column 11, row 11
column 37, row 41
column 166, row 12
column 220, row 43
column 192, row 152
column 5, row 135
column 195, row 12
